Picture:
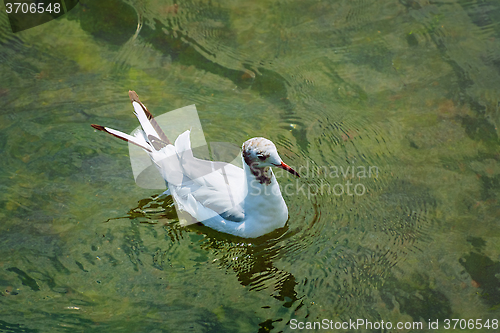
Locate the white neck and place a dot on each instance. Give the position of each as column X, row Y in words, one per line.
column 263, row 191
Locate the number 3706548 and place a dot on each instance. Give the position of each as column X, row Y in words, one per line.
column 32, row 8
column 470, row 324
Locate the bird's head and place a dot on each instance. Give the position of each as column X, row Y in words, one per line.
column 260, row 153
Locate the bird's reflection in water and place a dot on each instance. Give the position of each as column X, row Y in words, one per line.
column 253, row 260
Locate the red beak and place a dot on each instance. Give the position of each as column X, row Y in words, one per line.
column 287, row 168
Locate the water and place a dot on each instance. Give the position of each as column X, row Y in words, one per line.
column 389, row 109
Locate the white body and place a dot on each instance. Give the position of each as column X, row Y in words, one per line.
column 243, row 202
column 229, row 199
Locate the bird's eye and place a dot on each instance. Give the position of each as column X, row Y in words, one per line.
column 261, row 157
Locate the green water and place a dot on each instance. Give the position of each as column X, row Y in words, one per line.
column 410, row 89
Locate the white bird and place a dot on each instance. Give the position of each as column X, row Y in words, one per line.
column 243, row 202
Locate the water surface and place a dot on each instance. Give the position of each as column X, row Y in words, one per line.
column 396, row 103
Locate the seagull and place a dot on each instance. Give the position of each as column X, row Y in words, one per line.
column 242, row 202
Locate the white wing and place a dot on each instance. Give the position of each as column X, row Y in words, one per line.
column 218, row 186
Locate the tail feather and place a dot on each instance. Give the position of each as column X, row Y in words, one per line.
column 134, row 98
column 152, row 136
column 125, row 137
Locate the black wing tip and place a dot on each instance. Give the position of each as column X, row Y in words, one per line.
column 102, row 128
column 133, row 96
column 98, row 127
